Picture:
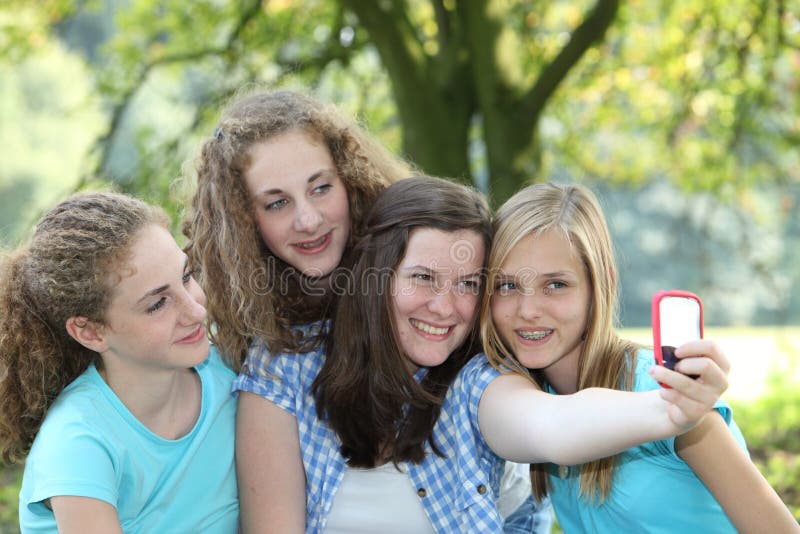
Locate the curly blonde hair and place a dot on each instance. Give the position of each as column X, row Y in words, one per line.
column 236, row 269
column 63, row 272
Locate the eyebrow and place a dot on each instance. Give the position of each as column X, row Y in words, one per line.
column 554, row 274
column 161, row 289
column 316, row 176
column 428, row 270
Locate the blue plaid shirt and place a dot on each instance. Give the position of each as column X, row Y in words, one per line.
column 458, row 492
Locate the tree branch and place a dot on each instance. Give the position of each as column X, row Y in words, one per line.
column 103, row 143
column 591, row 30
column 393, row 35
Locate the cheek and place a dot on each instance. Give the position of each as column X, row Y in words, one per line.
column 269, row 230
column 500, row 309
column 339, row 207
column 468, row 308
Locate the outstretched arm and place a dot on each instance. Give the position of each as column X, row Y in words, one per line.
column 269, row 468
column 84, row 515
column 747, row 498
column 523, row 424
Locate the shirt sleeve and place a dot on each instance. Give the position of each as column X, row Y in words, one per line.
column 70, row 459
column 472, row 382
column 278, row 379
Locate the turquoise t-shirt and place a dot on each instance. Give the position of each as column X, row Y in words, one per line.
column 90, row 445
column 653, row 491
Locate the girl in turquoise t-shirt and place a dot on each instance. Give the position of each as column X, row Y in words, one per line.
column 551, row 314
column 126, row 423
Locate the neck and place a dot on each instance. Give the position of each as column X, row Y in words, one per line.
column 166, row 401
column 563, row 374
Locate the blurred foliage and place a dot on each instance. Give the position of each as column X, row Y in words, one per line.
column 705, row 95
column 10, row 481
column 771, row 426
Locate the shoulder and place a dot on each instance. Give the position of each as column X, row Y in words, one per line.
column 215, row 366
column 83, row 401
column 264, row 371
column 474, row 377
column 83, row 423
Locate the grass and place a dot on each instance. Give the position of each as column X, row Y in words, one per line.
column 764, row 392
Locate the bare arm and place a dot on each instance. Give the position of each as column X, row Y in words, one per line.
column 269, row 467
column 523, row 424
column 747, row 498
column 84, row 515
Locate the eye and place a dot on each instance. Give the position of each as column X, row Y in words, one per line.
column 471, row 287
column 321, row 189
column 425, row 277
column 276, row 204
column 505, row 287
column 555, row 285
column 157, row 306
column 188, row 275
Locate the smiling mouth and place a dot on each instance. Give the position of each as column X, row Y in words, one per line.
column 309, row 245
column 195, row 336
column 536, row 335
column 429, row 329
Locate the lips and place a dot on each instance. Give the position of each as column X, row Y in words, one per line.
column 313, row 246
column 194, row 337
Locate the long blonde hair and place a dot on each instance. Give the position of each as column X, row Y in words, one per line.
column 574, row 211
column 63, row 272
column 237, row 271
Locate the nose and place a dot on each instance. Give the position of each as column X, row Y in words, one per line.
column 193, row 302
column 307, row 218
column 441, row 302
column 528, row 307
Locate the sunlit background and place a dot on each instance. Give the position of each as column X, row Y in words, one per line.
column 683, row 116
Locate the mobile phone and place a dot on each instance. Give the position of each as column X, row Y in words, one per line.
column 677, row 317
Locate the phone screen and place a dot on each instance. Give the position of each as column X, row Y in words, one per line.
column 679, row 322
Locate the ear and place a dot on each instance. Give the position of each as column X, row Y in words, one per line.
column 87, row 333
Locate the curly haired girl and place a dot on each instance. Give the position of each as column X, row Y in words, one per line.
column 107, row 384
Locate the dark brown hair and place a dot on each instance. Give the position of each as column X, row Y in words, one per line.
column 365, row 390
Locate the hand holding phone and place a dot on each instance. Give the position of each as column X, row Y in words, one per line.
column 677, row 318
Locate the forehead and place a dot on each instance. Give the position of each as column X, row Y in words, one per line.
column 548, row 251
column 295, row 146
column 150, row 261
column 428, row 247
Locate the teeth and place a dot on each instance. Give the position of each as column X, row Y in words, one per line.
column 313, row 244
column 534, row 336
column 428, row 328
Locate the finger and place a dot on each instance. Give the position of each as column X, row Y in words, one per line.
column 705, row 369
column 704, row 347
column 683, row 411
column 705, row 389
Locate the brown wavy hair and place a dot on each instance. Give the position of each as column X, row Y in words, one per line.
column 237, row 271
column 364, row 390
column 64, row 271
column 574, row 211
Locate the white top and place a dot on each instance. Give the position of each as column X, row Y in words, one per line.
column 382, row 500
